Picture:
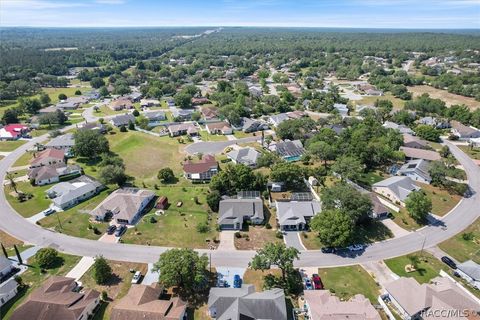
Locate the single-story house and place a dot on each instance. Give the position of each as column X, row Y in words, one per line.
column 58, row 298
column 414, row 153
column 143, row 302
column 13, row 131
column 44, row 175
column 48, row 157
column 247, row 156
column 288, row 150
column 245, row 303
column 62, row 142
column 464, row 132
column 434, row 122
column 374, row 92
column 154, row 115
column 72, row 103
column 199, row 100
column 295, row 215
column 399, row 127
column 182, row 128
column 125, row 205
column 94, row 126
column 219, row 128
column 202, row 170
column 252, row 125
column 147, row 103
column 411, row 141
column 321, row 304
column 68, row 194
column 411, row 299
column 135, row 96
column 121, row 103
column 233, row 212
column 417, row 170
column 182, row 114
column 8, row 289
column 122, row 120
column 276, row 119
column 209, row 113
column 341, row 108
column 379, row 210
column 470, row 271
column 396, row 189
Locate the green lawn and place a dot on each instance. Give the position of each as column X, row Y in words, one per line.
column 346, row 282
column 144, row 155
column 397, row 103
column 369, row 178
column 465, row 245
column 403, row 219
column 6, row 146
column 23, row 160
column 473, row 153
column 241, row 134
column 33, row 278
column 212, row 137
column 106, row 111
column 76, row 221
column 30, row 207
column 427, row 266
column 442, row 200
column 69, row 92
column 177, row 226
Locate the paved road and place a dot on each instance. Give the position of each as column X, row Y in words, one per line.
column 457, row 220
column 215, row 147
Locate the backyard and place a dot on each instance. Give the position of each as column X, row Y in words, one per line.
column 177, row 224
column 345, row 282
column 30, row 207
column 426, row 266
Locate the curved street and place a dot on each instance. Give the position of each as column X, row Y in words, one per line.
column 458, row 219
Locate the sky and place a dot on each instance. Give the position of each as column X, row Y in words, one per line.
column 423, row 14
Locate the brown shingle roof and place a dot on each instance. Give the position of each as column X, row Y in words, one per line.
column 142, row 303
column 208, row 161
column 55, row 299
column 48, row 153
column 415, row 153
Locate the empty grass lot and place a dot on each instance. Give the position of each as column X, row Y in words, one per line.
column 144, row 155
column 23, row 160
column 427, row 266
column 178, row 225
column 346, row 282
column 76, row 221
column 465, row 245
column 397, row 103
column 403, row 219
column 30, row 207
column 442, row 200
column 473, row 153
column 6, row 146
column 33, row 278
column 449, row 98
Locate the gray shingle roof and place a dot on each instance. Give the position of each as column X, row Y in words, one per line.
column 471, row 269
column 294, row 212
column 234, row 210
column 400, row 186
column 247, row 156
column 289, row 148
column 65, row 140
column 419, row 167
column 123, row 119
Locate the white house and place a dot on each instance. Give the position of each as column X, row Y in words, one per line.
column 470, row 271
column 8, row 285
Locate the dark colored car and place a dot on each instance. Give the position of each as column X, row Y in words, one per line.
column 329, row 250
column 111, row 229
column 317, row 282
column 307, row 284
column 449, row 262
column 120, row 230
column 237, row 281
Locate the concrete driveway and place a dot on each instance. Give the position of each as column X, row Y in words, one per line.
column 216, row 147
column 227, row 241
column 292, row 239
column 395, row 228
column 227, row 273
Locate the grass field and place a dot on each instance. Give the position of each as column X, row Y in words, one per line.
column 76, row 221
column 106, row 111
column 23, row 160
column 30, row 207
column 473, row 153
column 33, row 278
column 397, row 103
column 346, row 282
column 442, row 200
column 465, row 245
column 178, row 225
column 144, row 155
column 404, row 220
column 6, row 146
column 427, row 266
column 449, row 98
column 212, row 137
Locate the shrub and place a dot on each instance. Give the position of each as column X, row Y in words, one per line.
column 46, row 257
column 238, row 235
column 104, row 295
column 467, row 236
column 203, row 227
column 153, row 220
column 102, row 272
column 279, row 235
column 268, row 226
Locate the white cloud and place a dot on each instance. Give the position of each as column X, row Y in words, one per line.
column 110, row 1
column 39, row 4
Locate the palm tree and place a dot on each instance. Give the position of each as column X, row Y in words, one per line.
column 13, row 184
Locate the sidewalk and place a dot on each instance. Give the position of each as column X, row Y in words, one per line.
column 81, row 268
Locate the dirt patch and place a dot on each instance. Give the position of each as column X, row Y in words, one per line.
column 255, row 238
column 449, row 98
column 8, row 241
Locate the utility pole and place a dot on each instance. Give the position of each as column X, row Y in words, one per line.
column 423, row 245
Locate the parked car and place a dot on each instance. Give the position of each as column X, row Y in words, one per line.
column 356, row 247
column 48, row 211
column 120, row 230
column 237, row 281
column 136, row 277
column 307, row 284
column 329, row 250
column 449, row 262
column 111, row 229
column 317, row 282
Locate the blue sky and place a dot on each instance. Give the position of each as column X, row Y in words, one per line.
column 436, row 14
